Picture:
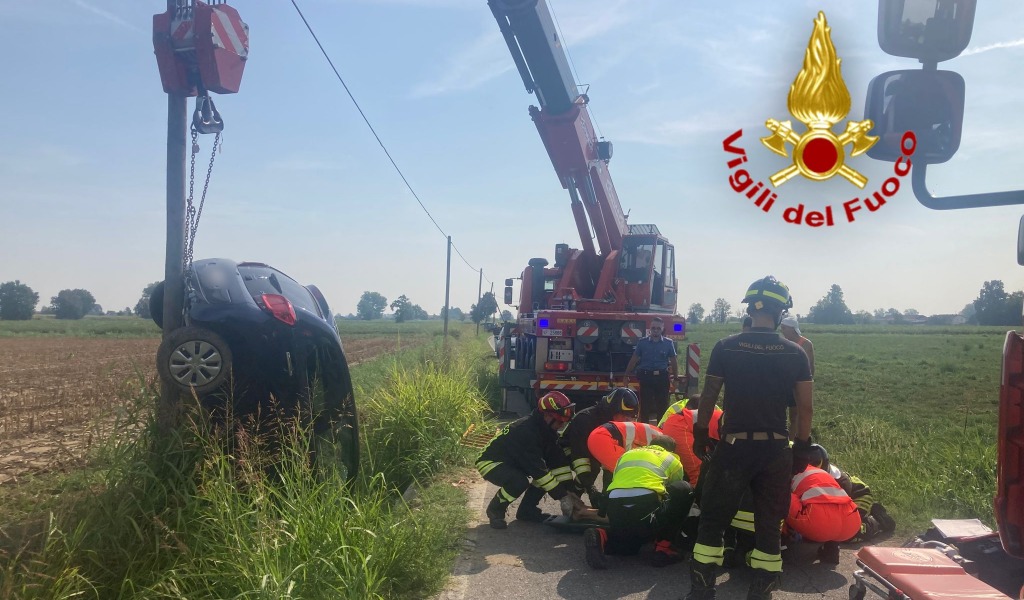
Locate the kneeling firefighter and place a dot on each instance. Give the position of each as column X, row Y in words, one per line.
column 525, row 457
column 619, row 405
column 648, row 500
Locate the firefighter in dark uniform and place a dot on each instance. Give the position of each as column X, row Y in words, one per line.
column 763, row 374
column 525, row 457
column 654, row 359
column 620, row 404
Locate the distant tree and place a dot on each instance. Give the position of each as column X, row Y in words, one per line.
column 968, row 312
column 862, row 317
column 879, row 313
column 895, row 316
column 995, row 307
column 72, row 304
column 832, row 309
column 720, row 312
column 17, row 301
column 695, row 314
column 911, row 312
column 405, row 310
column 457, row 314
column 371, row 306
column 485, row 308
column 142, row 306
column 95, row 310
column 506, row 316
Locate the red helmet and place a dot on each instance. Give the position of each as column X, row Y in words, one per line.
column 556, row 404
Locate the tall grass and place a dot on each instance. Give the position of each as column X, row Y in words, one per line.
column 195, row 516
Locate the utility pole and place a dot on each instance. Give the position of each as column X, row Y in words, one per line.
column 479, row 292
column 447, row 288
column 168, row 409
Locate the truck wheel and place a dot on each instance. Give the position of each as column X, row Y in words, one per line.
column 194, row 358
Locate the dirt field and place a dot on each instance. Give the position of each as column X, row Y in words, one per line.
column 61, row 396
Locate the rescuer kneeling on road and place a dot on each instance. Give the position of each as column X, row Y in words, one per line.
column 820, row 510
column 620, row 405
column 763, row 375
column 528, row 449
column 648, row 499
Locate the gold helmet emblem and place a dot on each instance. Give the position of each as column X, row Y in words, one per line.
column 819, row 99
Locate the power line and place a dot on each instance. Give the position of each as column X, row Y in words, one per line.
column 377, row 137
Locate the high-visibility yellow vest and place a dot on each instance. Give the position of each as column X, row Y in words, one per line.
column 648, row 468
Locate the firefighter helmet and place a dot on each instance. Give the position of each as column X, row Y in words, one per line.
column 556, row 404
column 620, row 401
column 769, row 293
column 818, row 457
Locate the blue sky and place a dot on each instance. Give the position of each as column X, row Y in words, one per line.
column 301, row 184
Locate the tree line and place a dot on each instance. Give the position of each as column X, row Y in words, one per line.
column 372, row 304
column 993, row 306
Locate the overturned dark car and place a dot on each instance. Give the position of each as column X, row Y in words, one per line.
column 255, row 341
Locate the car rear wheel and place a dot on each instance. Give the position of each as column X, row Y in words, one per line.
column 194, row 358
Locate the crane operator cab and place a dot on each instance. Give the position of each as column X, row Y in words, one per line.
column 647, row 265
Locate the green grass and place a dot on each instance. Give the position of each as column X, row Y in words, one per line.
column 911, row 410
column 202, row 518
column 92, row 326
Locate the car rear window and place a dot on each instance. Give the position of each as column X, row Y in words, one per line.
column 261, row 280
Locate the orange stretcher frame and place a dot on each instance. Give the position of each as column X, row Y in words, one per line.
column 920, row 573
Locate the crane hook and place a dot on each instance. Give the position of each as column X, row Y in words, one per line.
column 206, row 118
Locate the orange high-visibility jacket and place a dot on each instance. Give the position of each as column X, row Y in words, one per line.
column 815, row 486
column 610, row 441
column 679, row 425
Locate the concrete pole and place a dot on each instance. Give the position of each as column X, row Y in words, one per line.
column 168, row 410
column 447, row 288
column 479, row 291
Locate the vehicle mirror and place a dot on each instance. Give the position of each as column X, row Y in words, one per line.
column 929, row 103
column 928, row 30
column 1020, row 242
column 508, row 294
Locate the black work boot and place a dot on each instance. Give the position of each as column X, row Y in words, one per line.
column 528, row 509
column 869, row 528
column 828, row 553
column 762, row 585
column 496, row 512
column 886, row 523
column 702, row 581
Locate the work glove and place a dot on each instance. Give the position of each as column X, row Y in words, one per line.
column 702, row 443
column 801, row 455
column 596, row 498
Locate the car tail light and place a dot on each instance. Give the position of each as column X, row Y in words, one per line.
column 280, row 307
column 556, row 366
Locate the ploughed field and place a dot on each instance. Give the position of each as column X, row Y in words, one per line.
column 62, row 396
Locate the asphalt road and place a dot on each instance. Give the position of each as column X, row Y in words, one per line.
column 535, row 561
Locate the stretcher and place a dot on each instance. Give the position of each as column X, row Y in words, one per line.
column 931, row 571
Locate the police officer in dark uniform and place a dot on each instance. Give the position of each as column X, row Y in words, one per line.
column 763, row 374
column 655, row 362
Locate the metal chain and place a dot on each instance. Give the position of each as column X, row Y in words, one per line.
column 192, row 214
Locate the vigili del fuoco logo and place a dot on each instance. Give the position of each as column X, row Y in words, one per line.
column 819, row 99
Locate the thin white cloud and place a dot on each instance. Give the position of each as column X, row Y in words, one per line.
column 673, row 132
column 996, row 46
column 303, row 165
column 109, row 16
column 486, row 57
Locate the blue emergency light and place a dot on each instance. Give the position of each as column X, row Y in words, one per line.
column 543, row 322
column 677, row 327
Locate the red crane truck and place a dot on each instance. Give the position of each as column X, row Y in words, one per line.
column 580, row 317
